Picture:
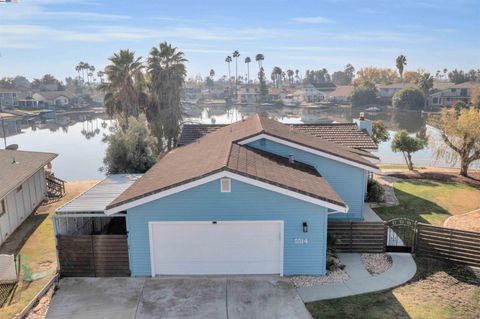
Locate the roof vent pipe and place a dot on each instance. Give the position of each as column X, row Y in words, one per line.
column 291, row 159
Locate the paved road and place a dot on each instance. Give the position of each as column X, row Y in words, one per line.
column 177, row 297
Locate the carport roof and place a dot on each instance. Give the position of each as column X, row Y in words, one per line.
column 96, row 199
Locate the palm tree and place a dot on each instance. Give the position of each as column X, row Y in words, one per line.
column 100, row 75
column 228, row 59
column 296, row 75
column 123, row 86
column 259, row 58
column 425, row 83
column 401, row 62
column 276, row 75
column 212, row 73
column 290, row 74
column 166, row 72
column 247, row 62
column 78, row 68
column 91, row 69
column 236, row 55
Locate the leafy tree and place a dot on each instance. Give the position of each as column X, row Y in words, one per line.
column 459, row 105
column 408, row 98
column 130, row 151
column 411, row 76
column 461, row 136
column 376, row 75
column 379, row 132
column 363, row 95
column 317, row 76
column 124, row 86
column 460, row 76
column 402, row 142
column 476, row 96
column 400, row 62
column 290, row 74
column 344, row 77
column 425, row 83
column 166, row 71
column 7, row 83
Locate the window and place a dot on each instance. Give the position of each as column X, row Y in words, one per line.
column 225, row 185
column 435, row 100
column 2, row 207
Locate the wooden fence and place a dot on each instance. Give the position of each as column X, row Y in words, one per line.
column 358, row 237
column 449, row 244
column 93, row 255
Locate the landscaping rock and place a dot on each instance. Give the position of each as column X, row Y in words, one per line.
column 339, row 275
column 376, row 263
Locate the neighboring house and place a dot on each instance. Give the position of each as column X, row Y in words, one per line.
column 249, row 94
column 8, row 98
column 387, row 91
column 312, row 93
column 27, row 102
column 253, row 197
column 447, row 97
column 53, row 98
column 341, row 94
column 23, row 187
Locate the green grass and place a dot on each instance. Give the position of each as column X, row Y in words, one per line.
column 438, row 290
column 430, row 201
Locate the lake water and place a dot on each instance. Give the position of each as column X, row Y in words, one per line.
column 78, row 141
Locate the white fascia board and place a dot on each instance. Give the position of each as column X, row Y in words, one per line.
column 217, row 176
column 309, row 150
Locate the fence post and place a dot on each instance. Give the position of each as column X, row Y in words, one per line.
column 92, row 238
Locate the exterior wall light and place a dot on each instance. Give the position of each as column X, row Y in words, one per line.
column 305, row 227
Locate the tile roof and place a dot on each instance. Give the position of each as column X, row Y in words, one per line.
column 13, row 174
column 219, row 151
column 346, row 134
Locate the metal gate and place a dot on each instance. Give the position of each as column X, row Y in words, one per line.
column 401, row 235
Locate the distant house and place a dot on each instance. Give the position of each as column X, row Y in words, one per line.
column 341, row 94
column 23, row 187
column 317, row 93
column 447, row 97
column 387, row 91
column 53, row 98
column 249, row 94
column 28, row 102
column 8, row 98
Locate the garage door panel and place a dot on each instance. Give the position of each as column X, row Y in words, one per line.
column 222, row 248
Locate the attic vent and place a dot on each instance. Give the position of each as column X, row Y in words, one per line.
column 225, row 185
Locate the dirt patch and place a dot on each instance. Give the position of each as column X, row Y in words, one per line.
column 469, row 221
column 442, row 175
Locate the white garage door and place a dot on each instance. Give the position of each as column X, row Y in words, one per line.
column 209, row 248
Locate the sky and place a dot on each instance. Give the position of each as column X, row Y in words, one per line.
column 52, row 36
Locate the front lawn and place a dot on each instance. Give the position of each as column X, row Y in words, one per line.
column 438, row 290
column 431, row 201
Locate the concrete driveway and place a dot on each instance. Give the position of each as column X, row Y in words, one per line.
column 177, row 297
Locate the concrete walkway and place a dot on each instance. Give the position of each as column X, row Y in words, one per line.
column 361, row 281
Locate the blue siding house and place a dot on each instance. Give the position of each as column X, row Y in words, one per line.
column 254, row 197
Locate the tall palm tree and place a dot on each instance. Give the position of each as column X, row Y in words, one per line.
column 166, row 72
column 425, row 83
column 297, row 71
column 259, row 58
column 228, row 59
column 123, row 88
column 247, row 62
column 212, row 73
column 91, row 69
column 100, row 75
column 290, row 74
column 401, row 61
column 276, row 75
column 236, row 55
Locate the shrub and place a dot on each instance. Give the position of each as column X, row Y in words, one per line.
column 408, row 98
column 374, row 191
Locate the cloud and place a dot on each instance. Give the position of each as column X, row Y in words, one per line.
column 312, row 20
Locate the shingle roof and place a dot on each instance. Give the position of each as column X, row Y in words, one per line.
column 346, row 134
column 14, row 173
column 219, row 151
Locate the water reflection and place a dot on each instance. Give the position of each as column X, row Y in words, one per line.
column 77, row 137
